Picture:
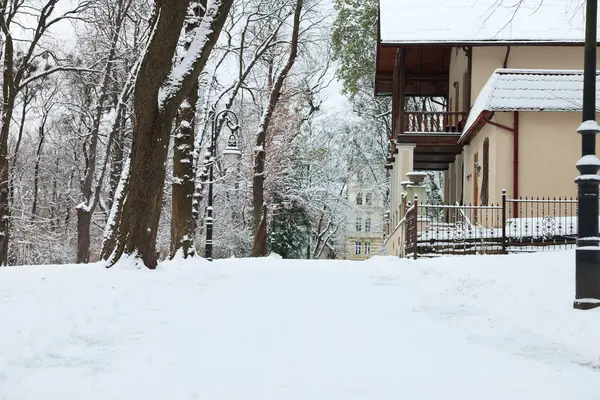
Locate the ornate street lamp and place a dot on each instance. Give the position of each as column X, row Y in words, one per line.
column 232, row 154
column 587, row 258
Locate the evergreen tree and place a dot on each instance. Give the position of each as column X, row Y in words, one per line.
column 354, row 39
column 290, row 230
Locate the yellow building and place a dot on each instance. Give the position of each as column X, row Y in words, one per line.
column 364, row 225
column 511, row 82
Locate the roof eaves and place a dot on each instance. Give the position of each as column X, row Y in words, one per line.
column 491, row 42
column 475, row 127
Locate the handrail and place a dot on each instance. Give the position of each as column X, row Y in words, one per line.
column 434, row 122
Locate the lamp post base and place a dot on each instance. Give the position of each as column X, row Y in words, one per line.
column 587, row 278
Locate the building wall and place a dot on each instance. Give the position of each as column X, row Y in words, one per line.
column 548, row 144
column 487, row 59
column 374, row 211
column 459, row 64
column 402, row 165
column 549, row 148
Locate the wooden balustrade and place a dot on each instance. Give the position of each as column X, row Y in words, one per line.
column 434, row 122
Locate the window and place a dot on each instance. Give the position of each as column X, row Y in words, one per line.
column 368, row 224
column 359, row 199
column 367, row 248
column 358, row 224
column 358, row 250
column 369, row 199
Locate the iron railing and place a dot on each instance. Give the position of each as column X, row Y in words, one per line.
column 514, row 225
column 541, row 224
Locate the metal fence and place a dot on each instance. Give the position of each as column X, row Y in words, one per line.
column 514, row 225
column 541, row 224
column 411, row 225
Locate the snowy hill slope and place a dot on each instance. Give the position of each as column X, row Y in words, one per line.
column 450, row 328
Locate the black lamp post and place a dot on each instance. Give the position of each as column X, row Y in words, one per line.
column 587, row 258
column 231, row 151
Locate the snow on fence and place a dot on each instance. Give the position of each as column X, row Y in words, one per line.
column 514, row 225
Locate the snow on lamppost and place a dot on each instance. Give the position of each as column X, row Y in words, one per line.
column 587, row 254
column 231, row 153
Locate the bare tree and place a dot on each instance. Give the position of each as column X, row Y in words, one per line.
column 92, row 184
column 182, row 220
column 259, row 247
column 22, row 68
column 159, row 91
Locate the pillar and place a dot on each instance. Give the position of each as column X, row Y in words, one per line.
column 458, row 163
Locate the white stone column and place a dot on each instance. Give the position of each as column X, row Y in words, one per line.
column 466, row 184
column 392, row 198
column 451, row 183
column 405, row 163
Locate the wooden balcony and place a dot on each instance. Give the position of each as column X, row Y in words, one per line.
column 434, row 122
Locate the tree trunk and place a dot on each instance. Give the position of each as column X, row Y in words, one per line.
column 259, row 245
column 154, row 111
column 182, row 221
column 26, row 100
column 8, row 108
column 116, row 162
column 91, row 194
column 36, row 170
column 109, row 241
column 4, row 190
column 54, row 206
column 84, row 222
column 183, row 187
column 138, row 224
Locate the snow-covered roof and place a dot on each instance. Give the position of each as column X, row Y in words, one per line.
column 473, row 21
column 530, row 90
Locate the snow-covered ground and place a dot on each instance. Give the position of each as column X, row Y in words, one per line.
column 459, row 328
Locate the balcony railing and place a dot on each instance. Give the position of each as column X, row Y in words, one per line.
column 434, row 122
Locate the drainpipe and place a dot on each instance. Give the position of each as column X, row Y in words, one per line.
column 506, row 57
column 516, row 159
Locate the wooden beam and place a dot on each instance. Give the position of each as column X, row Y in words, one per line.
column 438, row 77
column 439, row 157
column 428, row 139
column 400, row 83
column 429, row 166
column 438, row 149
column 425, row 89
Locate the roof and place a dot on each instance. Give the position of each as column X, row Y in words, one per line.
column 530, row 90
column 479, row 21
